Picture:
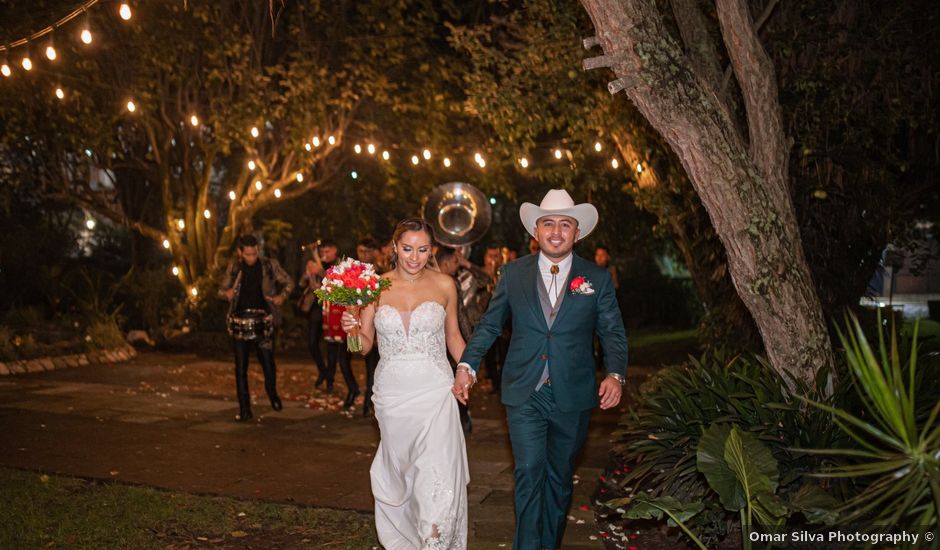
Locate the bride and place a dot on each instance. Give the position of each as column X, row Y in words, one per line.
column 419, row 475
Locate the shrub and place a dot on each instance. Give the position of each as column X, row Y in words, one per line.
column 104, row 333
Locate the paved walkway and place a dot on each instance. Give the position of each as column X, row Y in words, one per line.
column 147, row 422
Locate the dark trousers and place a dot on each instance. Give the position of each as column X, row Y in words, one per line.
column 337, row 351
column 372, row 361
column 494, row 358
column 314, row 337
column 265, row 357
column 545, row 442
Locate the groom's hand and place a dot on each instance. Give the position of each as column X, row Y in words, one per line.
column 609, row 392
column 462, row 383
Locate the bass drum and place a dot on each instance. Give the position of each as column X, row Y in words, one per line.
column 251, row 325
column 332, row 329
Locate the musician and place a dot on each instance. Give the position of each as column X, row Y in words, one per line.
column 255, row 283
column 367, row 250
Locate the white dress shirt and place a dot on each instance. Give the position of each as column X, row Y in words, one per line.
column 545, row 269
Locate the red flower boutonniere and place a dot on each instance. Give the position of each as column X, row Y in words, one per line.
column 580, row 285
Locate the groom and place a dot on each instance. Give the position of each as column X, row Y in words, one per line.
column 557, row 302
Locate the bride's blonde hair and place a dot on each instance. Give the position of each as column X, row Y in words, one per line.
column 413, row 224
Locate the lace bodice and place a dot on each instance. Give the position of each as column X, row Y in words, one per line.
column 411, row 343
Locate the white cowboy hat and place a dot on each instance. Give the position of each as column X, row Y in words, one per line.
column 557, row 202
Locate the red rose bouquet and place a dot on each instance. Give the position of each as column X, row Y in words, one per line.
column 352, row 284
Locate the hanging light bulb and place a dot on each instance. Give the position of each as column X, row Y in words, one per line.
column 300, row 177
column 166, row 244
column 206, row 214
column 254, row 132
column 414, row 159
column 231, row 195
column 446, row 162
column 194, row 292
column 493, row 200
column 27, row 62
column 558, row 154
column 385, row 155
column 86, row 35
column 5, row 69
column 180, row 224
column 51, row 54
column 125, row 11
column 277, row 193
column 316, row 141
column 477, row 157
column 354, row 175
column 176, row 271
column 357, row 148
column 524, row 162
column 426, row 154
column 307, row 146
column 194, row 120
column 131, row 106
column 639, row 168
column 331, row 140
column 598, row 147
column 371, row 148
column 252, row 165
column 60, row 93
column 90, row 223
column 258, row 185
column 614, row 163
column 482, row 163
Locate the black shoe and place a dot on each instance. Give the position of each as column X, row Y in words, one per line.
column 366, row 409
column 244, row 413
column 350, row 398
column 329, row 387
column 320, row 379
column 276, row 403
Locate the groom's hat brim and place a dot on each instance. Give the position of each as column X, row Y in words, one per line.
column 585, row 214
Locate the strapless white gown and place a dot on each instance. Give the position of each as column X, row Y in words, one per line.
column 419, row 475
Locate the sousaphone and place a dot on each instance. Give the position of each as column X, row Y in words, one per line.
column 459, row 213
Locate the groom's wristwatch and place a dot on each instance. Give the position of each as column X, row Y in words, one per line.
column 618, row 377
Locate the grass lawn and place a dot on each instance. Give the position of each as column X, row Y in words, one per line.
column 40, row 511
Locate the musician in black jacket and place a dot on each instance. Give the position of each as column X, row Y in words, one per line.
column 255, row 283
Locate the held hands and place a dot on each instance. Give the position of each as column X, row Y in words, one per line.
column 610, row 392
column 463, row 381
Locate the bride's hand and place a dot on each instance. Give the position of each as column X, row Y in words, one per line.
column 349, row 321
column 462, row 384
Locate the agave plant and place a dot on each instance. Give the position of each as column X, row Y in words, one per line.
column 897, row 453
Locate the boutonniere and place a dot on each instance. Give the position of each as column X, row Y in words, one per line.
column 580, row 285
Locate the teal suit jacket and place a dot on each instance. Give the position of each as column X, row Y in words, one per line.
column 567, row 346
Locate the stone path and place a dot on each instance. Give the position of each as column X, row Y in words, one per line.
column 101, row 421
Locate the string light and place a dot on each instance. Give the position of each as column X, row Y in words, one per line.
column 90, row 223
column 385, row 155
column 277, row 193
column 51, row 54
column 558, row 154
column 194, row 120
column 166, row 244
column 414, row 159
column 357, row 148
column 131, row 106
column 231, row 195
column 5, row 69
column 86, row 35
column 60, row 93
column 125, row 11
column 493, row 200
column 614, row 163
column 307, row 146
column 524, row 162
column 316, row 141
column 206, row 213
column 446, row 162
column 180, row 224
column 354, row 175
column 371, row 148
column 27, row 62
column 300, row 177
column 598, row 147
column 426, row 154
column 194, row 292
column 258, row 185
column 639, row 168
column 252, row 165
column 176, row 271
column 331, row 140
column 254, row 132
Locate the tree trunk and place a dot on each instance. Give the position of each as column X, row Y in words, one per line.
column 744, row 189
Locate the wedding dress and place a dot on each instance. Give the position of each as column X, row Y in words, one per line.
column 419, row 475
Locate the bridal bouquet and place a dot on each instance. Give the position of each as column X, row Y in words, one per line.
column 352, row 284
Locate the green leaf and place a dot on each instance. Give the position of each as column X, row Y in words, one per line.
column 816, row 505
column 752, row 463
column 647, row 507
column 769, row 509
column 711, row 462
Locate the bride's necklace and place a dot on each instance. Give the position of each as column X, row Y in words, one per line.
column 414, row 280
